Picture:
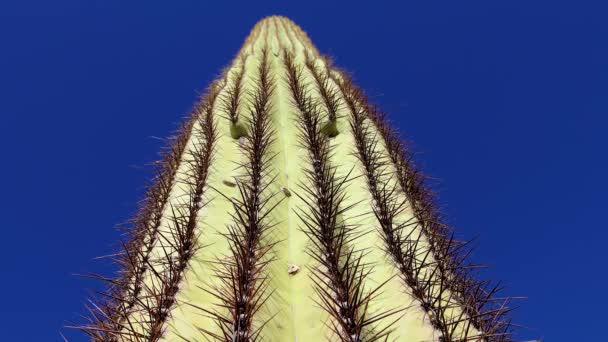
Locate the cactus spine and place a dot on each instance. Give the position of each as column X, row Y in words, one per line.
column 287, row 209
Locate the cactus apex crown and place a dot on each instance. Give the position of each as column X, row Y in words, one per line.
column 286, row 207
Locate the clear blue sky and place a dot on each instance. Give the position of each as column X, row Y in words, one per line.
column 507, row 104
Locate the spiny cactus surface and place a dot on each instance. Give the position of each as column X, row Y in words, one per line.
column 286, row 208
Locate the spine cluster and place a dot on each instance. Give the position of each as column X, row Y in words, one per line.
column 479, row 309
column 341, row 271
column 244, row 282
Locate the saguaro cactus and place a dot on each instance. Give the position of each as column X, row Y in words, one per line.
column 286, row 208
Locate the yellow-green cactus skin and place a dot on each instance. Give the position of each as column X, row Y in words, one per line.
column 287, row 209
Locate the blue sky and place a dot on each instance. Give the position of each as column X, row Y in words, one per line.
column 506, row 102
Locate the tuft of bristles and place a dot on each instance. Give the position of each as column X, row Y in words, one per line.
column 129, row 298
column 330, row 96
column 231, row 102
column 447, row 271
column 244, row 290
column 339, row 278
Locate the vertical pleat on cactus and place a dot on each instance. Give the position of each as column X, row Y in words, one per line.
column 287, row 208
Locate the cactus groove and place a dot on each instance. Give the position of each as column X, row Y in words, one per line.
column 287, row 208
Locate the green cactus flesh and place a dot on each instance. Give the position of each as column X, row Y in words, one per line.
column 286, row 209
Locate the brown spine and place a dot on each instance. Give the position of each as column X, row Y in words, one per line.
column 244, row 287
column 340, row 277
column 475, row 298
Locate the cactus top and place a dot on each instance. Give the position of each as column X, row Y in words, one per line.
column 287, row 209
